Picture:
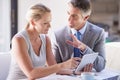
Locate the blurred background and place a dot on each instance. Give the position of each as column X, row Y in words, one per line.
column 106, row 14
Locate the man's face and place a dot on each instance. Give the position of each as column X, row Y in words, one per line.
column 75, row 18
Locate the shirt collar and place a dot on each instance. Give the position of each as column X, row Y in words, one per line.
column 81, row 30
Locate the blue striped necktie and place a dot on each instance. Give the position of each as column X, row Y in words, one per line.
column 77, row 52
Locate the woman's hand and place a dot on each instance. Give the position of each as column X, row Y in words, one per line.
column 71, row 63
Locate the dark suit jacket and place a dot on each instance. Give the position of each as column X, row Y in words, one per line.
column 93, row 38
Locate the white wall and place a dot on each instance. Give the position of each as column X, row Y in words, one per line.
column 58, row 8
column 4, row 25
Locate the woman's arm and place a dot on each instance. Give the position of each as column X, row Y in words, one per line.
column 51, row 59
column 49, row 54
column 20, row 52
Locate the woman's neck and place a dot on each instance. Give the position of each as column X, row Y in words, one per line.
column 33, row 34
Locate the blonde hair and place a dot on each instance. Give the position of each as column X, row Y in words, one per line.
column 36, row 12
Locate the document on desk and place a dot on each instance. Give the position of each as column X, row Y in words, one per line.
column 106, row 74
column 59, row 77
column 88, row 58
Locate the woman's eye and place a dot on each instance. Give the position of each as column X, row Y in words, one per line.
column 45, row 23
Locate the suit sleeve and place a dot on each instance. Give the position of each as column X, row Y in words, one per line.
column 99, row 46
column 55, row 49
column 56, row 53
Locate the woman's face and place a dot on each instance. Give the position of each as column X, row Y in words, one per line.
column 42, row 25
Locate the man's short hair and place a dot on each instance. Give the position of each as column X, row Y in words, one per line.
column 83, row 5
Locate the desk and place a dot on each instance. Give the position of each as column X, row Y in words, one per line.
column 104, row 75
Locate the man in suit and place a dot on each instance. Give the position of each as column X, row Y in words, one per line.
column 91, row 36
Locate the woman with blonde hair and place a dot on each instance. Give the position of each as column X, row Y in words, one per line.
column 31, row 49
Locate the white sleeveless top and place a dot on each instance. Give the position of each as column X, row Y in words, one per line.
column 15, row 72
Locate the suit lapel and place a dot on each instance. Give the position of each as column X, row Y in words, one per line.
column 87, row 35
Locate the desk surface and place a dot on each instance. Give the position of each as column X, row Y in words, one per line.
column 105, row 74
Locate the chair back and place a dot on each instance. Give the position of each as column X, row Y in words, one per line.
column 5, row 59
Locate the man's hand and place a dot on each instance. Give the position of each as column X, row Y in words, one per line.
column 76, row 43
column 88, row 68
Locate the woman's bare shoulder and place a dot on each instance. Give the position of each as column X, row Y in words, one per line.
column 19, row 40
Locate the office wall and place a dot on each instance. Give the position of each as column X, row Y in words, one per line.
column 58, row 8
column 4, row 25
column 106, row 12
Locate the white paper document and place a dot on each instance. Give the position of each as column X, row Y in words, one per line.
column 103, row 75
column 88, row 58
column 59, row 77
